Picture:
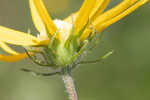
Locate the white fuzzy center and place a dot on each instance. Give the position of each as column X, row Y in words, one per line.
column 63, row 29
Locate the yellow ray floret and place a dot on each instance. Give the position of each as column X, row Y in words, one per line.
column 125, row 13
column 17, row 38
column 7, row 49
column 98, row 8
column 113, row 12
column 13, row 58
column 83, row 14
column 113, row 15
column 44, row 16
column 38, row 23
column 70, row 19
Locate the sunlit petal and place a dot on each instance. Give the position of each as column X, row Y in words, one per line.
column 85, row 34
column 83, row 14
column 17, row 38
column 46, row 19
column 113, row 12
column 13, row 58
column 99, row 8
column 113, row 15
column 38, row 22
column 7, row 49
column 71, row 18
column 122, row 15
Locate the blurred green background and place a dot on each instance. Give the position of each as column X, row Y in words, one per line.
column 123, row 76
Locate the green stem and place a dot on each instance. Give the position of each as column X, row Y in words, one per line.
column 69, row 85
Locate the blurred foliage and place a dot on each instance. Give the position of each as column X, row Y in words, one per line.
column 123, row 76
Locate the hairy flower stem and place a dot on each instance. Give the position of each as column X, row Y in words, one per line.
column 69, row 85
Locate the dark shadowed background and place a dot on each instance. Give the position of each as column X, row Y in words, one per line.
column 123, row 76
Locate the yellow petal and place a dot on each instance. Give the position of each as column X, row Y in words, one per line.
column 46, row 19
column 122, row 15
column 85, row 34
column 112, row 12
column 13, row 58
column 39, row 24
column 7, row 49
column 99, row 8
column 108, row 15
column 17, row 38
column 83, row 14
column 44, row 42
column 70, row 19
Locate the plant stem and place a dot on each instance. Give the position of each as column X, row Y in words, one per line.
column 69, row 85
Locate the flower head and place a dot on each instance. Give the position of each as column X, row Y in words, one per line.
column 62, row 42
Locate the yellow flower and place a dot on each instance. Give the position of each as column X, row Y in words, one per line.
column 66, row 38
